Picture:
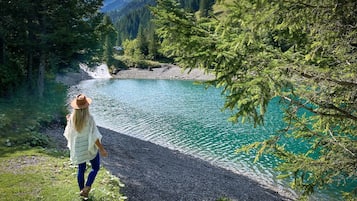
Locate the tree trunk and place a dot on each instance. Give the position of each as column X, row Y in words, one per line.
column 43, row 53
column 2, row 54
column 41, row 75
column 30, row 71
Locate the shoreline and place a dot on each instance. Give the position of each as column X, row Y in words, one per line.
column 166, row 71
column 153, row 172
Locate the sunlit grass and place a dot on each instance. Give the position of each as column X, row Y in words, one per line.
column 37, row 175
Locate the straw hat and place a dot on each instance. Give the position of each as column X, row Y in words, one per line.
column 81, row 102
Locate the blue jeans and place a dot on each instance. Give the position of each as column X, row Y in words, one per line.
column 91, row 176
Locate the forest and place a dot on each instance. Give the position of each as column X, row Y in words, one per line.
column 38, row 38
column 137, row 14
column 137, row 31
column 302, row 51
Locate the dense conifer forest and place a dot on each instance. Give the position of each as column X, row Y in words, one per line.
column 137, row 31
column 40, row 37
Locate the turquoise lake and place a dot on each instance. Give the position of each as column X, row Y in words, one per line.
column 184, row 116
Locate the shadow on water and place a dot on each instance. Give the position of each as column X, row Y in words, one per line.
column 153, row 172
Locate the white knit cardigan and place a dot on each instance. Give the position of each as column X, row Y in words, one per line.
column 82, row 144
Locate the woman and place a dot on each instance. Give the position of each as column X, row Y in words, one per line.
column 83, row 141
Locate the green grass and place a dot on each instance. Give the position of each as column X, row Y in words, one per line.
column 39, row 174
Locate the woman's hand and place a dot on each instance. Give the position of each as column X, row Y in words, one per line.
column 103, row 152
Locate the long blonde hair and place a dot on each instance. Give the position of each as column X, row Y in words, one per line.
column 80, row 117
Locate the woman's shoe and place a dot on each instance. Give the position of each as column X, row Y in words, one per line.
column 85, row 192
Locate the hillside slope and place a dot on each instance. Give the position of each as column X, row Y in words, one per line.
column 110, row 5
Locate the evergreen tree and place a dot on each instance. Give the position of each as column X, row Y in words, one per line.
column 142, row 42
column 108, row 39
column 39, row 36
column 128, row 19
column 303, row 52
column 128, row 25
column 153, row 43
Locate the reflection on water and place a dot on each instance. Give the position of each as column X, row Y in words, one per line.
column 183, row 116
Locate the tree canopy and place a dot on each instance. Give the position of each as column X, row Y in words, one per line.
column 303, row 52
column 39, row 36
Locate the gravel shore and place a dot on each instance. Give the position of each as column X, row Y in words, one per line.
column 167, row 71
column 154, row 173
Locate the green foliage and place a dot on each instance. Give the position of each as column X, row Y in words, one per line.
column 303, row 52
column 26, row 140
column 137, row 33
column 137, row 13
column 130, row 62
column 153, row 44
column 128, row 16
column 108, row 36
column 131, row 49
column 128, row 25
column 37, row 37
column 144, row 46
column 23, row 115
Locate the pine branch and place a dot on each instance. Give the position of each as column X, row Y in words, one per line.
column 301, row 4
column 344, row 114
column 318, row 79
column 336, row 142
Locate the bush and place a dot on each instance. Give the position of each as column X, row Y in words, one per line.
column 129, row 62
column 23, row 115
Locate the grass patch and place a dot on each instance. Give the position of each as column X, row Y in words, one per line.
column 37, row 174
